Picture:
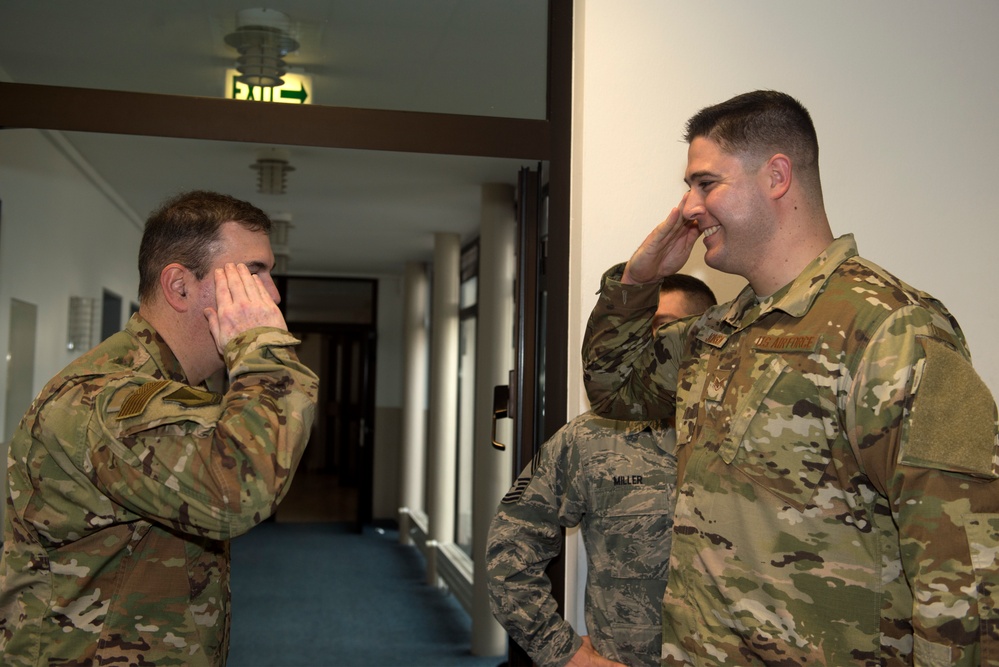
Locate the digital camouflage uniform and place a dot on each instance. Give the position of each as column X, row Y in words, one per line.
column 125, row 485
column 616, row 480
column 838, row 500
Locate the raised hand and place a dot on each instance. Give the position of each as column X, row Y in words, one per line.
column 664, row 251
column 241, row 303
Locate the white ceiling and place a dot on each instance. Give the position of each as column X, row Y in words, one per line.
column 353, row 212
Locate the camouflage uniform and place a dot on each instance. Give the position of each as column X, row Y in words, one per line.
column 838, row 501
column 125, row 485
column 617, row 480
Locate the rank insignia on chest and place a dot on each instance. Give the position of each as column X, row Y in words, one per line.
column 715, row 388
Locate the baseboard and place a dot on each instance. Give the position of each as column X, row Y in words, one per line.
column 451, row 565
column 454, row 567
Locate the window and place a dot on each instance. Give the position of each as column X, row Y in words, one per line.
column 468, row 315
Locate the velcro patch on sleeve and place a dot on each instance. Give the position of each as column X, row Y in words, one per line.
column 192, row 397
column 953, row 420
column 139, row 399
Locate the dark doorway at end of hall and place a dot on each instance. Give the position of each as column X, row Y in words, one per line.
column 336, row 318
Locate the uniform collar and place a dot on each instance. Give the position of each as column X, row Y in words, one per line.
column 796, row 297
column 154, row 345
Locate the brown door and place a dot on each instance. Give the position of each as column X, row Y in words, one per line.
column 350, row 416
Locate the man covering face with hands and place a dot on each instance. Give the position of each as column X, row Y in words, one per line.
column 138, row 462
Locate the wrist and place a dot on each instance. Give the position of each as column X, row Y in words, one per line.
column 629, row 278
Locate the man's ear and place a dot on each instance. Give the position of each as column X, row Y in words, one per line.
column 177, row 283
column 778, row 171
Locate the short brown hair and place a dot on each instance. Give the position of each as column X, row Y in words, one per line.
column 759, row 124
column 185, row 229
column 699, row 295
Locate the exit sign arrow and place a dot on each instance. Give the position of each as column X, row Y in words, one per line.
column 295, row 89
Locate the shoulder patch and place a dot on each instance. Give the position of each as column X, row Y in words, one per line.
column 192, row 397
column 953, row 419
column 515, row 492
column 139, row 399
column 520, row 485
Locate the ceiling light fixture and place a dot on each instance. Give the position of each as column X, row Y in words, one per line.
column 272, row 170
column 263, row 40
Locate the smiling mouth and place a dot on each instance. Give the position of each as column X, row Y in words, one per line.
column 710, row 230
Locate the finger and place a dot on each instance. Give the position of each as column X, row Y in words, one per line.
column 664, row 233
column 223, row 295
column 262, row 289
column 254, row 286
column 675, row 224
column 237, row 286
column 213, row 326
column 247, row 280
column 674, row 218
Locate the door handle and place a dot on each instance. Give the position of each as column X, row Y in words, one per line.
column 501, row 409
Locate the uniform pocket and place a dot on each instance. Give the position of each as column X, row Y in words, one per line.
column 634, row 522
column 638, row 645
column 777, row 430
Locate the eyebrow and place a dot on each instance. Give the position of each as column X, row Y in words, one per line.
column 698, row 175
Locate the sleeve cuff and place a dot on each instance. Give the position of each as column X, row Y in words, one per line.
column 251, row 340
column 627, row 297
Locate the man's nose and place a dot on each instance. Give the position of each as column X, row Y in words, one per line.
column 693, row 207
column 272, row 288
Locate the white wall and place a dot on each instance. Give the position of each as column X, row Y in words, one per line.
column 904, row 97
column 60, row 236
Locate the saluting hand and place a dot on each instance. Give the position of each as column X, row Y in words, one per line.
column 241, row 303
column 664, row 251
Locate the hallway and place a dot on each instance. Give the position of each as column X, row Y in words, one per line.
column 322, row 595
column 308, row 590
column 316, row 497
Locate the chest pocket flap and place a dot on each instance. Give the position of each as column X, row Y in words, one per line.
column 775, row 430
column 747, row 406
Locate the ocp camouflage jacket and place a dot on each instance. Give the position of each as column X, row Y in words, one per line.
column 125, row 485
column 838, row 498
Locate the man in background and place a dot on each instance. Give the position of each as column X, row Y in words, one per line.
column 617, row 481
column 138, row 462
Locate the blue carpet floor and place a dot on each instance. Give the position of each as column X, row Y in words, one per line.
column 320, row 595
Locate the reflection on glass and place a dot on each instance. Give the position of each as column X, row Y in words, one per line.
column 466, row 433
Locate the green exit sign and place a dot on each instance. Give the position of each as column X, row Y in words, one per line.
column 296, row 89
